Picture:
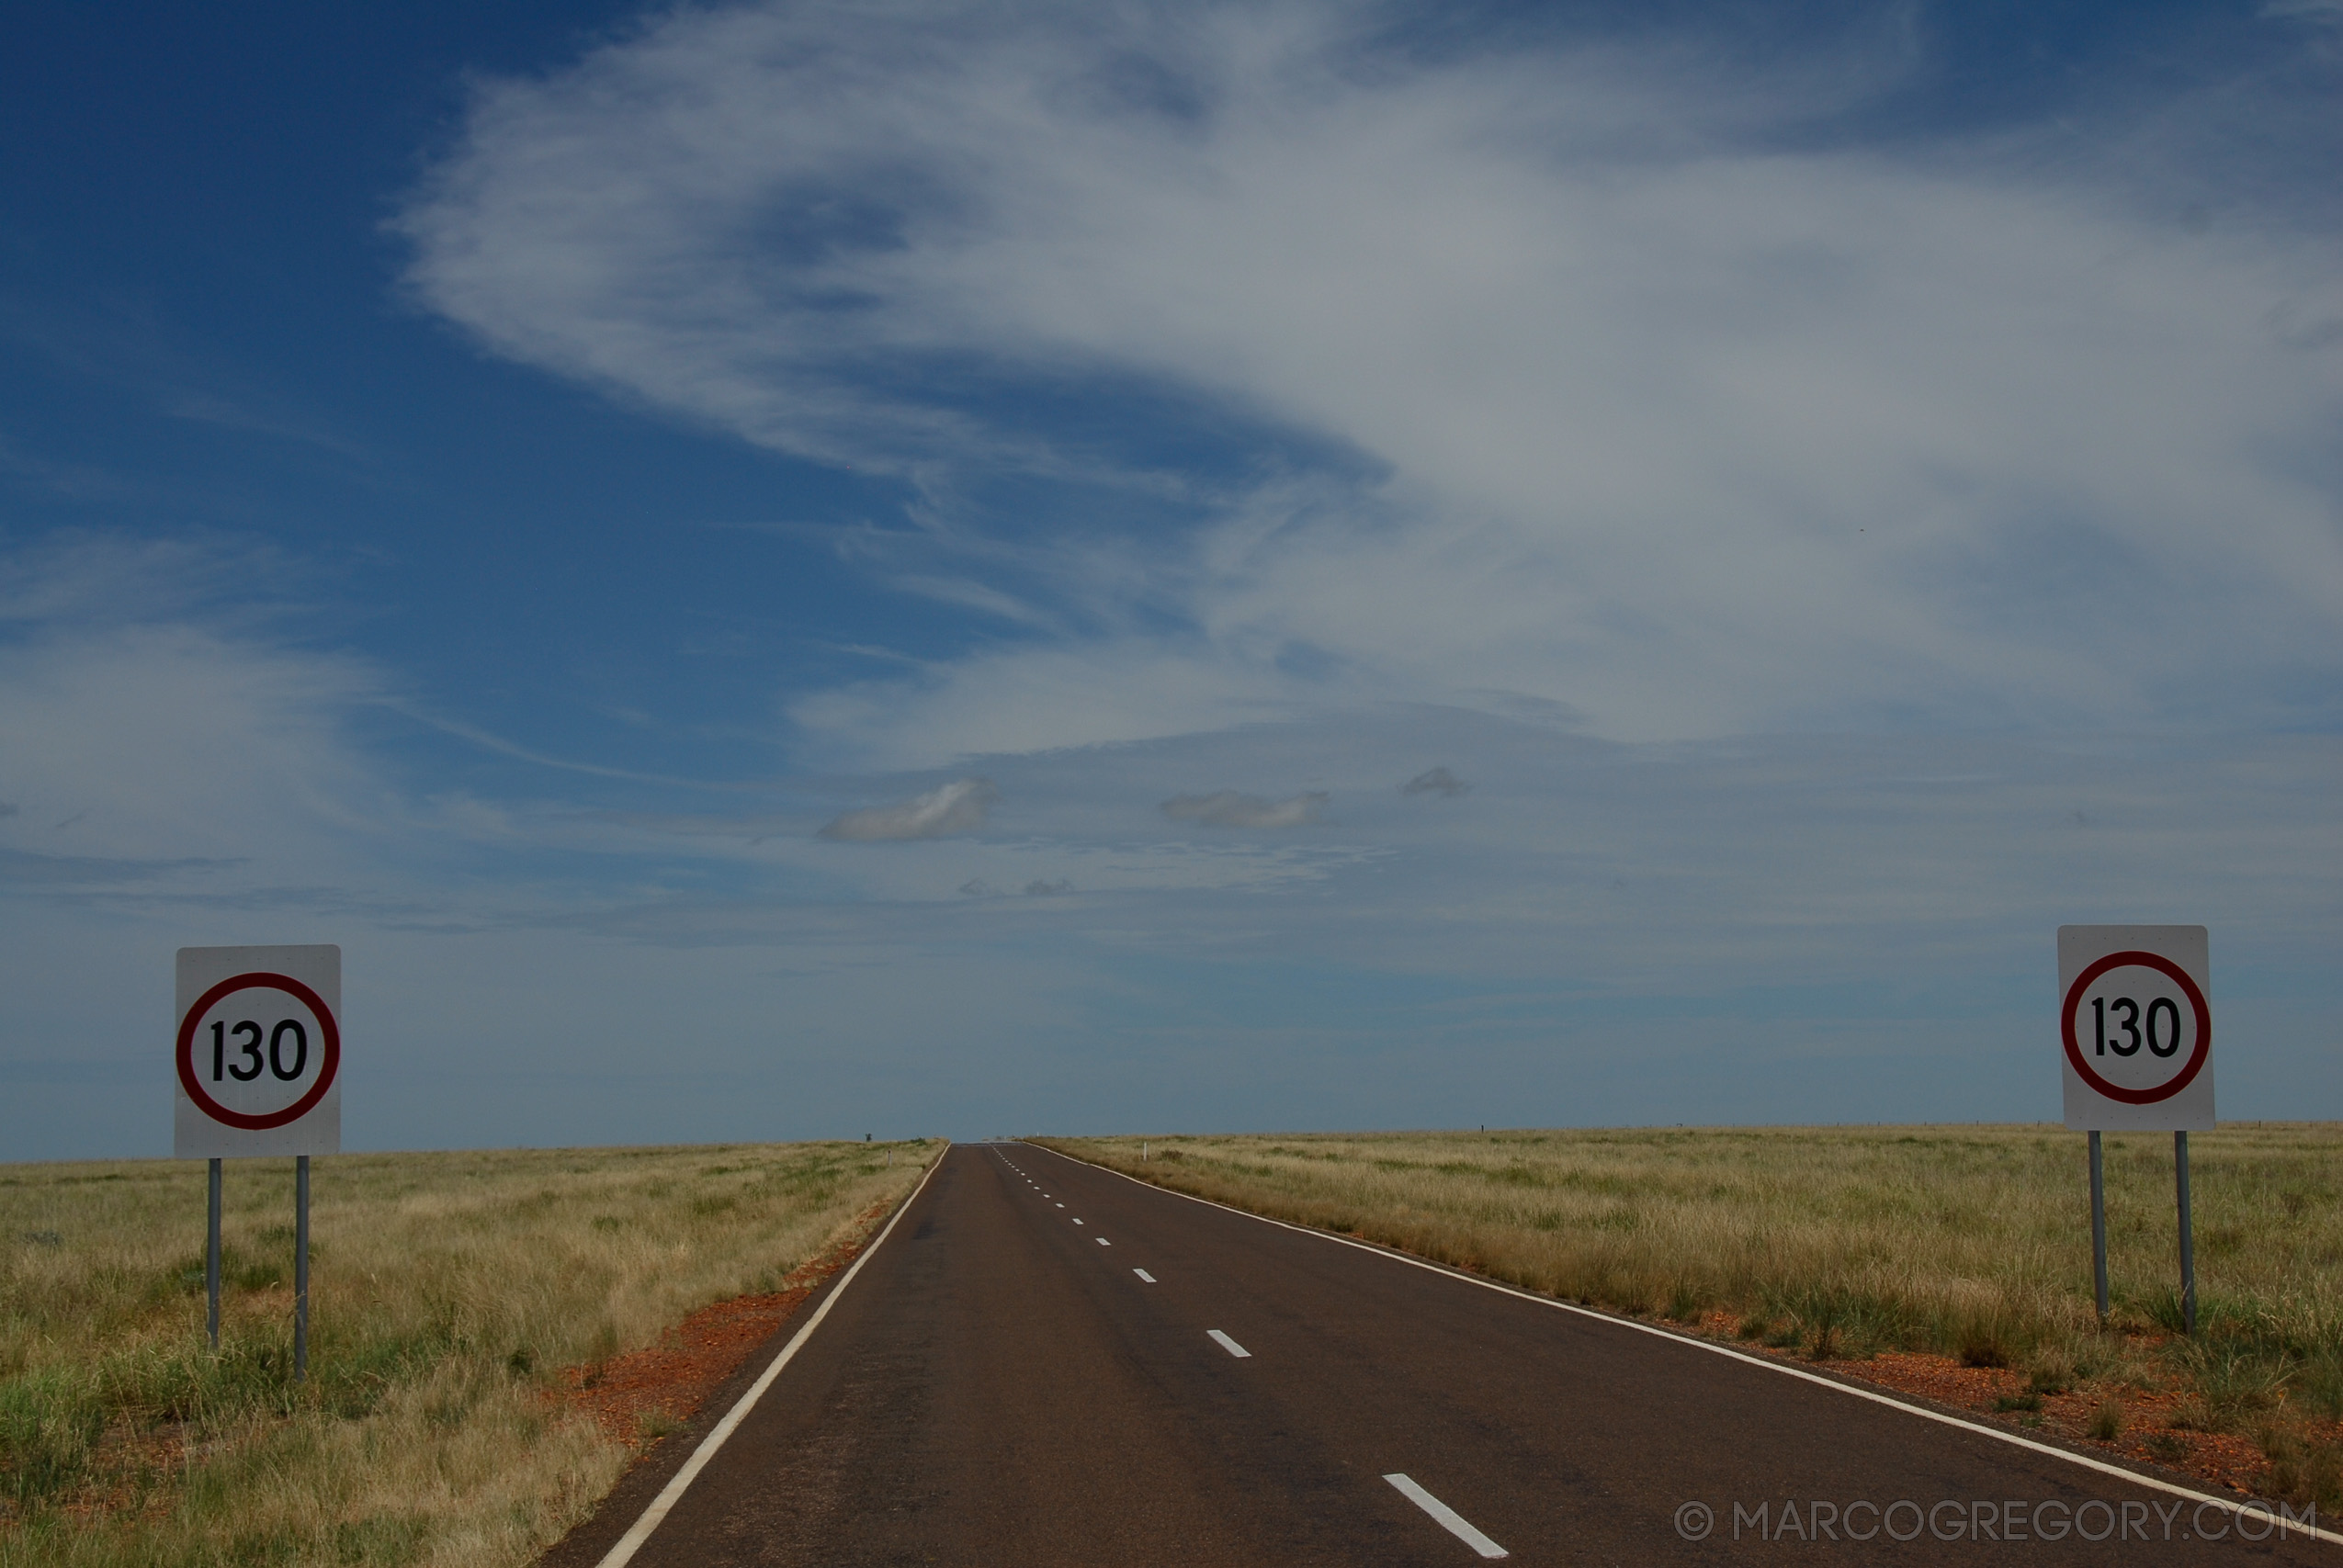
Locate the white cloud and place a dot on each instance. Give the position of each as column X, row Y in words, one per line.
column 1227, row 808
column 1663, row 417
column 955, row 807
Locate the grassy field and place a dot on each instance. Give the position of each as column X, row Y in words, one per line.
column 447, row 1292
column 1971, row 1240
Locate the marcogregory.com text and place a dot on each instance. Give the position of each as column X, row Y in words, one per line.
column 2008, row 1520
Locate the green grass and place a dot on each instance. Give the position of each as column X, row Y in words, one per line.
column 447, row 1292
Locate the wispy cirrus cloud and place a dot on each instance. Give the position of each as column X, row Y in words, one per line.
column 155, row 712
column 1230, row 809
column 1866, row 918
column 958, row 807
column 1564, row 366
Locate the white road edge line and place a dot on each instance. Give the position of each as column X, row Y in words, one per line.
column 673, row 1492
column 1144, row 1275
column 2084, row 1461
column 1452, row 1521
column 1228, row 1345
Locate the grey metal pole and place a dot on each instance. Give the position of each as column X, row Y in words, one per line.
column 211, row 1259
column 2098, row 1229
column 300, row 1268
column 2187, row 1239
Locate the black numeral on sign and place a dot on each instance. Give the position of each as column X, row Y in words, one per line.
column 249, row 1032
column 2130, row 1025
column 2165, row 1005
column 247, row 1035
column 300, row 1046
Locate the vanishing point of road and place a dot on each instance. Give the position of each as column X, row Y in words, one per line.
column 1047, row 1365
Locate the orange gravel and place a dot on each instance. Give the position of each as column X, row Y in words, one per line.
column 2223, row 1461
column 640, row 1396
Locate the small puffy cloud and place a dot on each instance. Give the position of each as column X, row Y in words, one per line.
column 978, row 888
column 1227, row 808
column 1439, row 780
column 954, row 807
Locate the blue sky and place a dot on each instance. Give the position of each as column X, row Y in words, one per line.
column 785, row 570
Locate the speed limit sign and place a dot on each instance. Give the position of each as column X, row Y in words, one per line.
column 2135, row 1027
column 259, row 1053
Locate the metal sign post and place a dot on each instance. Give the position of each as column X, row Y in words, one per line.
column 2187, row 1241
column 2099, row 1230
column 300, row 1267
column 2135, row 1027
column 211, row 1259
column 258, row 1059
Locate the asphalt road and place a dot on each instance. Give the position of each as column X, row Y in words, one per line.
column 1047, row 1364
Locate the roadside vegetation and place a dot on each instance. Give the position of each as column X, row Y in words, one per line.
column 448, row 1293
column 1970, row 1242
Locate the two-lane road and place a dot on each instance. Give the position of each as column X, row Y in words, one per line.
column 1048, row 1364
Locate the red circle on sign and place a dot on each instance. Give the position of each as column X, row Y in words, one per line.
column 2179, row 976
column 329, row 1054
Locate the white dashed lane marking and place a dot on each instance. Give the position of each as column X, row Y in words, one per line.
column 1144, row 1275
column 1449, row 1519
column 1228, row 1344
column 1104, row 1241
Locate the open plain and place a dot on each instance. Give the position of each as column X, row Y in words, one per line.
column 1039, row 1344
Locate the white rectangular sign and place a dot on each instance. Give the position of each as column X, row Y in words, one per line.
column 257, row 1055
column 2135, row 1027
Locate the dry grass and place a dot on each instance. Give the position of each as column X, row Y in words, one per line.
column 1970, row 1241
column 447, row 1291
